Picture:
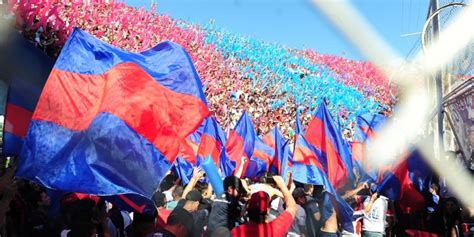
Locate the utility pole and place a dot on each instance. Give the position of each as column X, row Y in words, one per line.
column 438, row 80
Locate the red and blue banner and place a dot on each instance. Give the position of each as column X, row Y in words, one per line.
column 110, row 121
column 308, row 170
column 329, row 145
column 261, row 159
column 212, row 145
column 241, row 142
column 187, row 156
column 281, row 161
column 26, row 69
column 365, row 130
column 182, row 169
column 367, row 125
column 407, row 182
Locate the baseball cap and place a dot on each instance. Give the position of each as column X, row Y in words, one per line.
column 259, row 201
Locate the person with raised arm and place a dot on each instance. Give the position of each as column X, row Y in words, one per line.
column 257, row 212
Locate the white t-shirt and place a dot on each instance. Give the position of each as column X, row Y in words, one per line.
column 375, row 219
column 168, row 195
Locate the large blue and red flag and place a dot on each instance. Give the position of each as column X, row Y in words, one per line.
column 307, row 169
column 241, row 142
column 190, row 148
column 365, row 130
column 367, row 126
column 261, row 159
column 327, row 140
column 26, row 69
column 212, row 145
column 110, row 121
column 281, row 161
column 407, row 182
column 187, row 156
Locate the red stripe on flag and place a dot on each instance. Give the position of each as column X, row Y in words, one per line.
column 262, row 156
column 235, row 150
column 17, row 120
column 209, row 146
column 268, row 139
column 410, row 198
column 337, row 173
column 132, row 204
column 188, row 150
column 368, row 132
column 357, row 151
column 160, row 115
column 305, row 156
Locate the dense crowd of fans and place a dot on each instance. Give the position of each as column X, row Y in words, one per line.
column 272, row 83
column 238, row 73
column 265, row 207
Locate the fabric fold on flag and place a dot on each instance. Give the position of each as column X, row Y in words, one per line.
column 407, row 182
column 212, row 145
column 366, row 127
column 115, row 120
column 308, row 170
column 281, row 162
column 261, row 159
column 182, row 169
column 365, row 130
column 328, row 143
column 241, row 142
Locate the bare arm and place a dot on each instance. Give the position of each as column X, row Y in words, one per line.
column 353, row 192
column 240, row 169
column 197, row 174
column 371, row 202
column 287, row 197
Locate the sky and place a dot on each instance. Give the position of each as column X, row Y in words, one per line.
column 295, row 23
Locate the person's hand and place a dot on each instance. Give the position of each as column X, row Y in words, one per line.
column 292, row 187
column 365, row 185
column 374, row 197
column 279, row 181
column 198, row 173
column 289, row 178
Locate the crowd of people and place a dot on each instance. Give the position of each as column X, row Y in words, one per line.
column 234, row 69
column 274, row 84
column 268, row 206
